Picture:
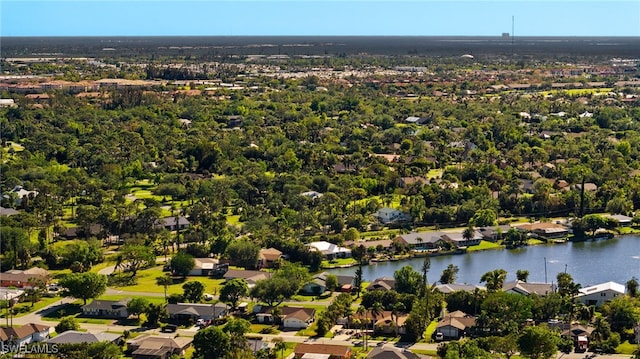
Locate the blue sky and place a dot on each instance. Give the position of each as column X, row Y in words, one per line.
column 311, row 17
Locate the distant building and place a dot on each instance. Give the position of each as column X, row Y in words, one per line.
column 388, row 215
column 22, row 278
column 330, row 250
column 597, row 295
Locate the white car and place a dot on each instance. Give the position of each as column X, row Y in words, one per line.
column 208, row 296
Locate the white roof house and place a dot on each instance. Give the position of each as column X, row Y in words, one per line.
column 330, row 250
column 599, row 294
column 388, row 215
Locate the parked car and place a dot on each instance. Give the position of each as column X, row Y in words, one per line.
column 439, row 337
column 170, row 328
column 208, row 296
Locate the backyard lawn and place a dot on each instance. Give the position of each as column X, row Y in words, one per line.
column 146, row 282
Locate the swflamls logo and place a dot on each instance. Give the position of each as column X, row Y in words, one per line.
column 38, row 348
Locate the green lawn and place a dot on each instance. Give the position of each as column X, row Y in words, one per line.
column 146, row 282
column 234, row 220
column 25, row 308
column 626, row 348
column 338, row 262
column 484, row 245
column 429, row 331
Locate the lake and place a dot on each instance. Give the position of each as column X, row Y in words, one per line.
column 589, row 263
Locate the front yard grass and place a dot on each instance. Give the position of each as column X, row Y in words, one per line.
column 339, row 262
column 25, row 308
column 75, row 310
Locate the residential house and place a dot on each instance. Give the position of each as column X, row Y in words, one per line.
column 450, row 288
column 76, row 337
column 173, row 223
column 6, row 212
column 386, row 325
column 297, row 317
column 22, row 193
column 204, row 266
column 417, row 120
column 76, row 232
column 251, row 276
column 588, row 187
column 20, row 336
column 12, row 294
column 455, row 325
column 269, row 258
column 421, row 240
column 597, row 295
column 526, row 288
column 107, row 308
column 148, row 346
column 184, row 312
column 622, row 220
column 22, row 278
column 289, row 316
column 311, row 195
column 321, row 351
column 318, row 284
column 459, row 240
column 388, row 215
column 413, row 180
column 388, row 352
column 545, row 229
column 384, row 283
column 494, row 233
column 330, row 250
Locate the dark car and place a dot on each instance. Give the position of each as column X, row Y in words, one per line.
column 170, row 328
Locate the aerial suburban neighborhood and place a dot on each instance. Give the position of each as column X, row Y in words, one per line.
column 307, row 200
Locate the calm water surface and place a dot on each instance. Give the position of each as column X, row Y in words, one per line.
column 589, row 263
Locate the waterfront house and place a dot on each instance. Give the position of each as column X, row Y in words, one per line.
column 313, row 195
column 106, row 309
column 321, row 351
column 26, row 334
column 455, row 324
column 621, row 220
column 526, row 288
column 148, row 346
column 494, row 233
column 330, row 250
column 450, row 288
column 421, row 240
column 597, row 295
column 545, row 229
column 459, row 240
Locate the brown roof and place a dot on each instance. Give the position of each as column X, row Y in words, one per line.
column 337, row 350
column 540, row 225
column 270, row 254
column 21, row 332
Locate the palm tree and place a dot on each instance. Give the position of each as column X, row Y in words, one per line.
column 494, row 279
column 164, row 281
column 468, row 233
column 397, row 309
column 362, row 311
column 280, row 345
column 376, row 309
